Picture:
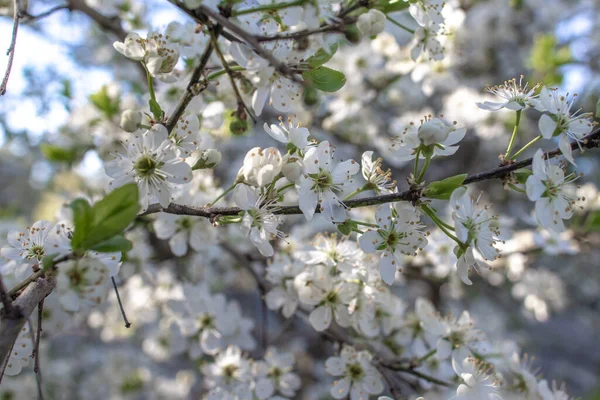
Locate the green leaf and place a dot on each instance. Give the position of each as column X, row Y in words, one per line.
column 322, row 56
column 347, row 227
column 522, row 175
column 592, row 222
column 156, row 110
column 48, row 261
column 388, row 6
column 58, row 154
column 444, row 188
column 598, row 109
column 114, row 244
column 325, row 79
column 83, row 217
column 103, row 102
column 113, row 214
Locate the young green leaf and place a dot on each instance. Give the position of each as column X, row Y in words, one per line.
column 156, row 110
column 444, row 188
column 58, row 154
column 83, row 218
column 322, row 56
column 114, row 244
column 103, row 102
column 325, row 79
column 598, row 109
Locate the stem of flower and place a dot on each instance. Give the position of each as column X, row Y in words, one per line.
column 357, row 191
column 514, row 135
column 429, row 354
column 525, row 147
column 217, row 74
column 364, row 223
column 150, row 83
column 398, row 24
column 441, row 225
column 289, row 185
column 222, row 195
column 416, row 168
column 268, row 7
column 424, row 169
column 516, row 188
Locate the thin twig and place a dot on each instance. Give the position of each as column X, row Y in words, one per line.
column 127, row 323
column 194, row 86
column 238, row 95
column 212, row 213
column 34, row 354
column 33, row 18
column 248, row 38
column 5, row 363
column 11, row 49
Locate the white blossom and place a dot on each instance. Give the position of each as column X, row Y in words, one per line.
column 358, row 378
column 258, row 220
column 558, row 120
column 552, row 192
column 399, row 233
column 150, row 162
column 323, row 179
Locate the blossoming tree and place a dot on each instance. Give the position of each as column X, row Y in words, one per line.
column 246, row 240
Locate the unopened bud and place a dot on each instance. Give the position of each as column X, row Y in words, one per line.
column 209, row 159
column 238, row 126
column 131, row 120
column 352, row 34
column 292, row 167
column 311, row 96
column 371, row 23
column 434, row 131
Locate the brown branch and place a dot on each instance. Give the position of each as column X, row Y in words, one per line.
column 590, row 141
column 10, row 326
column 245, row 36
column 11, row 49
column 112, row 25
column 33, row 18
column 196, row 84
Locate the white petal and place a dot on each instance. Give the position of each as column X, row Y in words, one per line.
column 320, row 318
column 547, row 126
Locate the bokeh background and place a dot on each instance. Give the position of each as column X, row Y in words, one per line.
column 59, row 123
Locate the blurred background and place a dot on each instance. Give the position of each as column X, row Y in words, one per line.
column 59, row 122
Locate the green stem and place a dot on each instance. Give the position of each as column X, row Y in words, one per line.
column 441, row 224
column 289, row 185
column 424, row 169
column 525, row 147
column 357, row 191
column 398, row 24
column 429, row 354
column 416, row 168
column 516, row 188
column 268, row 7
column 150, row 83
column 364, row 223
column 217, row 74
column 514, row 135
column 222, row 195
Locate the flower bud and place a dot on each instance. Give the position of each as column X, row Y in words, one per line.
column 238, row 126
column 371, row 23
column 311, row 96
column 434, row 131
column 131, row 120
column 209, row 159
column 352, row 34
column 292, row 167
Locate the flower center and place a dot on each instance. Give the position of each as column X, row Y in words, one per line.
column 229, row 370
column 36, row 251
column 355, row 372
column 331, row 297
column 145, row 166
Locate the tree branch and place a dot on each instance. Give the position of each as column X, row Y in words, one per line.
column 11, row 49
column 10, row 326
column 590, row 141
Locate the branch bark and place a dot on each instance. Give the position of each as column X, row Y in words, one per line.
column 11, row 325
column 590, row 141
